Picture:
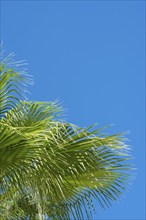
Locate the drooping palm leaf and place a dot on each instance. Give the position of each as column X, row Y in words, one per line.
column 52, row 168
column 12, row 85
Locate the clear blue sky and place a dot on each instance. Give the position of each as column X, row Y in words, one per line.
column 90, row 55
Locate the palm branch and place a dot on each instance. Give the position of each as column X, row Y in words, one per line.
column 49, row 168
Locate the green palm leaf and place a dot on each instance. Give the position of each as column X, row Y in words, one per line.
column 49, row 167
column 12, row 85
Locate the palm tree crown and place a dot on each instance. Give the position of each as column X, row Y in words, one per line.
column 51, row 169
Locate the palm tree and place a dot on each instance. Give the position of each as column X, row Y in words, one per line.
column 50, row 169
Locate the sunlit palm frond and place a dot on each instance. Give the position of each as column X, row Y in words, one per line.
column 12, row 86
column 52, row 168
column 67, row 163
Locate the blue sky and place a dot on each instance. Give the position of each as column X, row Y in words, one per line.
column 90, row 55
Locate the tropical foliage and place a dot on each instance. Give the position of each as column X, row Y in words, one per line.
column 50, row 169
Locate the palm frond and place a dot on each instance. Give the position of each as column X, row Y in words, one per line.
column 12, row 85
column 52, row 168
column 67, row 163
